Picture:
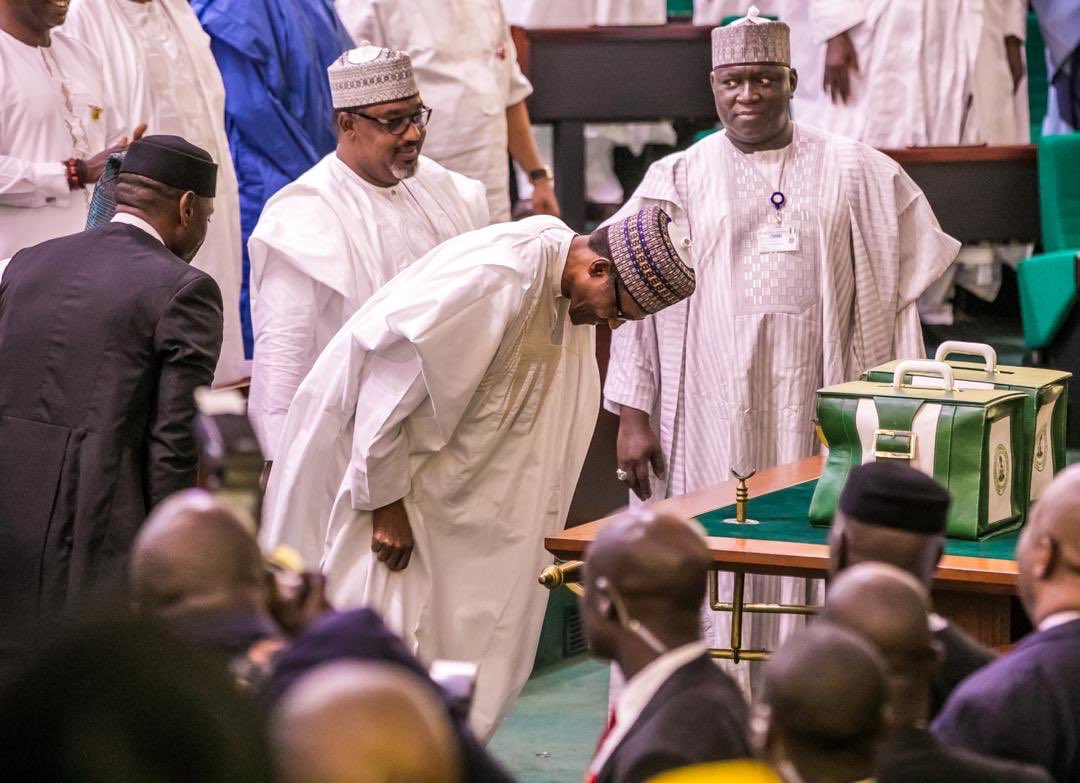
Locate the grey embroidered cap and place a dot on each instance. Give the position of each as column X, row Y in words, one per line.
column 370, row 74
column 652, row 258
column 751, row 39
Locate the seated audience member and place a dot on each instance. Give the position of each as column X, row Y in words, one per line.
column 197, row 566
column 645, row 582
column 1026, row 705
column 127, row 701
column 895, row 514
column 351, row 722
column 889, row 607
column 823, row 708
column 104, row 336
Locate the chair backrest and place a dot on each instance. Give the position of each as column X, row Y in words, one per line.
column 1059, row 191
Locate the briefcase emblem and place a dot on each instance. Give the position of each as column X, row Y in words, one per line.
column 1001, row 469
column 1040, row 450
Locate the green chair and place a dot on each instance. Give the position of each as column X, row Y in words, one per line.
column 1047, row 281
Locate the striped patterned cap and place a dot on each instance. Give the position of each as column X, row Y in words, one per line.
column 370, row 74
column 652, row 258
column 752, row 39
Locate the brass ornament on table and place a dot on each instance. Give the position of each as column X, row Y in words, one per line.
column 566, row 574
column 742, row 495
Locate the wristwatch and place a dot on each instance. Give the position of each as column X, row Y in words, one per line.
column 544, row 172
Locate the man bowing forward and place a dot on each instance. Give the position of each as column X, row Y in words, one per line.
column 440, row 435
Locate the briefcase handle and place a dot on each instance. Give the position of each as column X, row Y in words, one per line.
column 923, row 367
column 987, row 352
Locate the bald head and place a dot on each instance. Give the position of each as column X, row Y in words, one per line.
column 825, row 693
column 352, row 722
column 1048, row 552
column 649, row 567
column 195, row 553
column 887, row 606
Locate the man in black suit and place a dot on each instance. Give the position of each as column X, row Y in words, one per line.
column 1026, row 705
column 104, row 336
column 894, row 514
column 890, row 608
column 645, row 582
column 823, row 707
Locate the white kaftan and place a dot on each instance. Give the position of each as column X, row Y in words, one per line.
column 461, row 387
column 915, row 63
column 159, row 70
column 1001, row 116
column 53, row 106
column 323, row 245
column 466, row 67
column 729, row 375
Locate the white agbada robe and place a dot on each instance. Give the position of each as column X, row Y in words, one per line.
column 54, row 107
column 915, row 58
column 729, row 376
column 466, row 67
column 159, row 70
column 323, row 245
column 462, row 387
column 1001, row 116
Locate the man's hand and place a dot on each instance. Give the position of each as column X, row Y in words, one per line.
column 840, row 60
column 1014, row 55
column 637, row 449
column 296, row 600
column 391, row 536
column 543, row 199
column 96, row 165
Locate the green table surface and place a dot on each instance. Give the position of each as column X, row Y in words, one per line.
column 783, row 517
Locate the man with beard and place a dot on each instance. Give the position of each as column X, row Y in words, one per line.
column 104, row 335
column 328, row 241
column 54, row 128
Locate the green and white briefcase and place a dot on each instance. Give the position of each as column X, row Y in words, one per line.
column 970, row 440
column 1045, row 409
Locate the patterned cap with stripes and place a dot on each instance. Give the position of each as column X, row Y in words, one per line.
column 652, row 258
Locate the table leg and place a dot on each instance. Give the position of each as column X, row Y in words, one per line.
column 569, row 167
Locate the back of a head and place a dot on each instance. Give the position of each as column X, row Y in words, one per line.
column 196, row 554
column 890, row 513
column 352, row 722
column 1048, row 552
column 825, row 693
column 128, row 701
column 890, row 608
column 657, row 563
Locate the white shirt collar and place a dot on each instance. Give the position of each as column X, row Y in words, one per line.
column 937, row 623
column 1058, row 618
column 3, row 265
column 639, row 691
column 138, row 222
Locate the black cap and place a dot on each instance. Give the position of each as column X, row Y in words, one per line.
column 888, row 494
column 172, row 161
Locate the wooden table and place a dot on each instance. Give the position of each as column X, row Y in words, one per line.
column 975, row 592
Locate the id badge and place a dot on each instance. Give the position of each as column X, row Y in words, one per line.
column 778, row 239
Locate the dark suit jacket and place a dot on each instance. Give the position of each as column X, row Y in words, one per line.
column 698, row 715
column 963, row 657
column 104, row 335
column 1024, row 706
column 361, row 635
column 915, row 755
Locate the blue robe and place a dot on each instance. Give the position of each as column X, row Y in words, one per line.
column 273, row 56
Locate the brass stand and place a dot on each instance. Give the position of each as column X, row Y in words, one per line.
column 738, row 607
column 742, row 494
column 565, row 574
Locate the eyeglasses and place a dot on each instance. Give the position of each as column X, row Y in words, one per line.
column 397, row 126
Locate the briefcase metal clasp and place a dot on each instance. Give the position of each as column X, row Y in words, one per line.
column 896, row 436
